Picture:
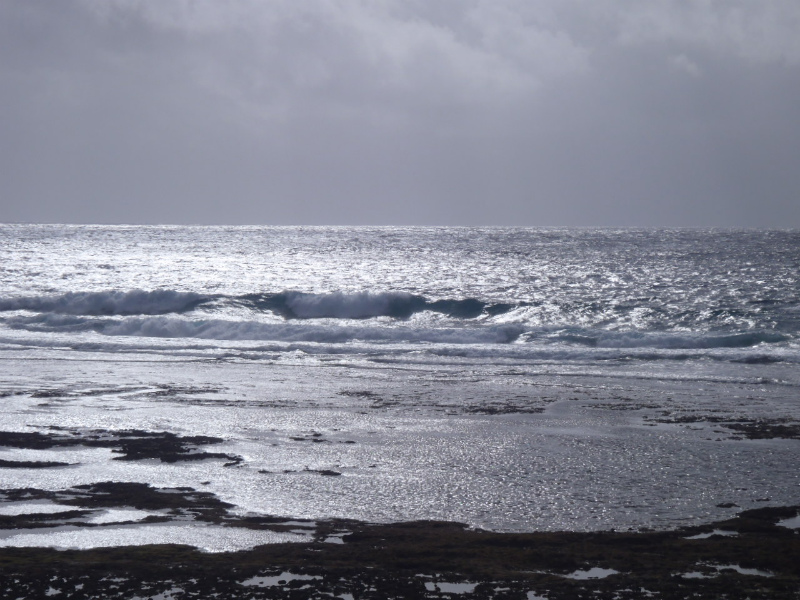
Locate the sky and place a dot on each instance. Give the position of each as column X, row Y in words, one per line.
column 401, row 112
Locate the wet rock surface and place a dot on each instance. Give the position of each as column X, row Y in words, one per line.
column 131, row 444
column 753, row 429
column 172, row 502
column 31, row 464
column 755, row 558
column 757, row 430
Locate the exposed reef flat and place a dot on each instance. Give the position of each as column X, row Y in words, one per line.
column 101, row 484
column 752, row 555
column 131, row 444
column 752, row 429
column 31, row 464
column 166, row 504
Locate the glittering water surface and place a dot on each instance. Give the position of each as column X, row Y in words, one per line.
column 506, row 378
column 206, row 537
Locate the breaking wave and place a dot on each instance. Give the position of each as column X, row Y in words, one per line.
column 287, row 304
column 365, row 305
column 134, row 302
column 218, row 329
column 328, row 318
column 484, row 332
column 670, row 340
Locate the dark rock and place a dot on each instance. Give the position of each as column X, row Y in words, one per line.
column 31, row 464
column 132, row 444
column 397, row 560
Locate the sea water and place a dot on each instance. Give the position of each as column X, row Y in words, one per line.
column 510, row 379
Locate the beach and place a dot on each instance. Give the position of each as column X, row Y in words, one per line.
column 398, row 413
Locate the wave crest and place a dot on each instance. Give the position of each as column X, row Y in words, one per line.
column 219, row 329
column 365, row 305
column 134, row 302
column 287, row 304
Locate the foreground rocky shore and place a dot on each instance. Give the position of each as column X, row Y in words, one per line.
column 754, row 555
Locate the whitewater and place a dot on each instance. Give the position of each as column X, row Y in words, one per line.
column 514, row 379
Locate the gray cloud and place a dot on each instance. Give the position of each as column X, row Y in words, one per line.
column 761, row 32
column 536, row 112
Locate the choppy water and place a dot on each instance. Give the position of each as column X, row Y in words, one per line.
column 508, row 378
column 566, row 295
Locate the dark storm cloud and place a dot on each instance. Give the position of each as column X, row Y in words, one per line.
column 536, row 112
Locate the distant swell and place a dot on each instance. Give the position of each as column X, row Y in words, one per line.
column 135, row 302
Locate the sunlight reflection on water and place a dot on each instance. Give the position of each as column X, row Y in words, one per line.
column 209, row 538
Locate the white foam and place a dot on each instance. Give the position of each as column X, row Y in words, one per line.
column 274, row 580
column 696, row 575
column 456, row 588
column 593, row 573
column 688, row 341
column 218, row 329
column 703, row 536
column 791, row 523
column 720, row 568
column 119, row 515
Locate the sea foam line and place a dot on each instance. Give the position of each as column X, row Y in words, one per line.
column 219, row 329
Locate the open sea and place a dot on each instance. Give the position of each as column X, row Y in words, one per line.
column 509, row 379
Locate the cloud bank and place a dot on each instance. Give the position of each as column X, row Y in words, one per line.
column 537, row 112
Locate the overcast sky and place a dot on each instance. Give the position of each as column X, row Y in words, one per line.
column 452, row 112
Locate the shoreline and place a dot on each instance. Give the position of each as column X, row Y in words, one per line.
column 751, row 555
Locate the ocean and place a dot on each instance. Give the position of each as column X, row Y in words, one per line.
column 512, row 379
